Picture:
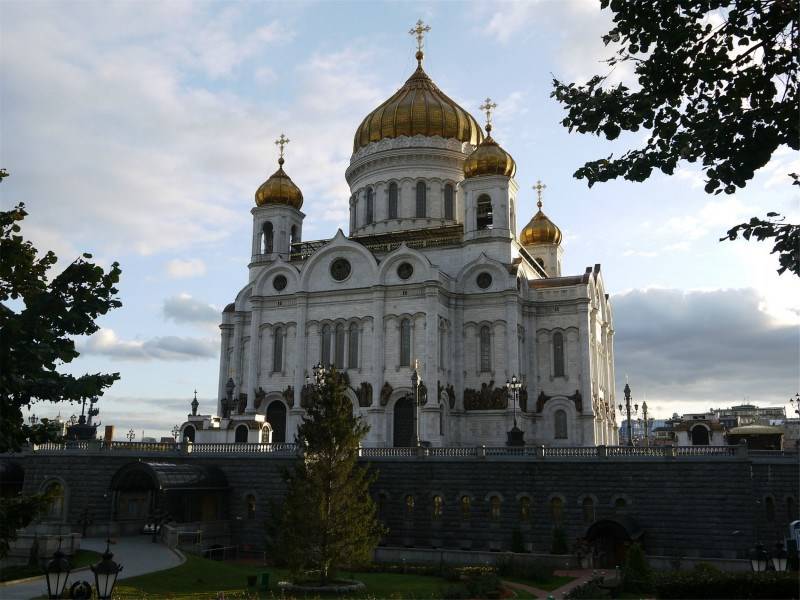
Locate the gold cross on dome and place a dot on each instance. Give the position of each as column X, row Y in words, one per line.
column 488, row 106
column 539, row 187
column 420, row 30
column 281, row 142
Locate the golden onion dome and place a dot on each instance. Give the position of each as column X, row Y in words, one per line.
column 540, row 230
column 418, row 108
column 489, row 159
column 279, row 189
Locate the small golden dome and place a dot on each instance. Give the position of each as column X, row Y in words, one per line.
column 418, row 108
column 489, row 159
column 279, row 189
column 540, row 230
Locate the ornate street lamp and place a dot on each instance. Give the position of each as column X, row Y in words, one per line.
column 57, row 573
column 795, row 404
column 628, row 410
column 780, row 558
column 759, row 559
column 516, row 435
column 415, row 381
column 131, row 435
column 105, row 574
column 646, row 426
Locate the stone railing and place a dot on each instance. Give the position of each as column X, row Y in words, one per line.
column 425, row 452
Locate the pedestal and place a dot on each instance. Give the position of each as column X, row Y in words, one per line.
column 516, row 437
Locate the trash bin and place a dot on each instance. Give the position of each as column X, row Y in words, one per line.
column 265, row 581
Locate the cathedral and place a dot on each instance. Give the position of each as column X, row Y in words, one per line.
column 451, row 326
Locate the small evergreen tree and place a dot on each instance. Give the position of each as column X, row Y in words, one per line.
column 329, row 519
column 559, row 545
column 637, row 576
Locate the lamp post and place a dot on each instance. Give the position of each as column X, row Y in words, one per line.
column 57, row 573
column 780, row 558
column 795, row 404
column 515, row 436
column 105, row 574
column 415, row 381
column 644, row 420
column 131, row 435
column 628, row 410
column 759, row 559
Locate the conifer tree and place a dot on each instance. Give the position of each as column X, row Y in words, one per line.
column 329, row 519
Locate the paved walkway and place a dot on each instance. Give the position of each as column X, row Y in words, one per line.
column 581, row 576
column 137, row 555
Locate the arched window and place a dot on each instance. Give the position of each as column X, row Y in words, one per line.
column 560, row 418
column 405, row 343
column 352, row 350
column 438, row 503
column 268, row 238
column 700, row 435
column 325, row 350
column 483, row 213
column 293, row 237
column 250, row 506
column 558, row 354
column 422, row 208
column 448, row 202
column 353, row 208
column 769, row 507
column 486, row 349
column 241, row 434
column 494, row 507
column 556, row 511
column 441, row 420
column 392, row 212
column 513, row 219
column 338, row 354
column 277, row 350
column 409, row 505
column 588, row 510
column 55, row 492
column 442, row 348
column 188, row 433
column 370, row 216
column 524, row 509
column 465, row 507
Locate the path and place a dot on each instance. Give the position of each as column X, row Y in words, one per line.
column 137, row 555
column 581, row 576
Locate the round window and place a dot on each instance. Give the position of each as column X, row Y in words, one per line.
column 405, row 270
column 340, row 269
column 484, row 280
column 279, row 283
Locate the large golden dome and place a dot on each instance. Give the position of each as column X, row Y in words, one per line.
column 418, row 108
column 540, row 230
column 279, row 189
column 489, row 159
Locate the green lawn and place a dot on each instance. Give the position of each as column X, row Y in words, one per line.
column 549, row 584
column 82, row 558
column 202, row 576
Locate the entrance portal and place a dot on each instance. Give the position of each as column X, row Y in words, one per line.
column 609, row 539
column 276, row 417
column 700, row 436
column 403, row 422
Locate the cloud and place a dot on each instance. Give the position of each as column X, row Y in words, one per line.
column 690, row 350
column 170, row 348
column 182, row 269
column 185, row 309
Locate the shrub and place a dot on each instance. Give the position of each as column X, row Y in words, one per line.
column 723, row 585
column 590, row 590
column 636, row 573
column 559, row 545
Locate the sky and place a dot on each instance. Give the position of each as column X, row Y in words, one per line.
column 139, row 132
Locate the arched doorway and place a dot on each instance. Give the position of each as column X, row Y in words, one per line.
column 700, row 436
column 403, row 423
column 610, row 538
column 276, row 417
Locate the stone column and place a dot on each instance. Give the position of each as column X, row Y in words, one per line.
column 431, row 343
column 226, row 331
column 235, row 369
column 300, row 348
column 585, row 348
column 255, row 351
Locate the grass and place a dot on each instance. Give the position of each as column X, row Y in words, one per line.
column 82, row 558
column 549, row 584
column 201, row 576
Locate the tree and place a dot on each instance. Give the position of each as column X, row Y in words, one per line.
column 717, row 83
column 329, row 518
column 38, row 317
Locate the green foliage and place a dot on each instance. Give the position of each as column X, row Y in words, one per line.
column 590, row 590
column 473, row 582
column 37, row 337
column 17, row 512
column 329, row 518
column 786, row 235
column 637, row 576
column 559, row 544
column 725, row 585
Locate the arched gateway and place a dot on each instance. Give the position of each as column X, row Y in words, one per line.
column 403, row 434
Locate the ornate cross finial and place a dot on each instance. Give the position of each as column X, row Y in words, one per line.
column 281, row 142
column 539, row 187
column 419, row 31
column 488, row 106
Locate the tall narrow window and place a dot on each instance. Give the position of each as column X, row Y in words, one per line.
column 241, row 434
column 465, row 507
column 556, row 510
column 558, row 354
column 392, row 212
column 250, row 506
column 438, row 503
column 352, row 350
column 352, row 213
column 494, row 506
column 268, row 237
column 421, row 200
column 448, row 202
column 56, row 493
column 588, row 510
column 441, row 420
column 484, row 213
column 277, row 350
column 405, row 343
column 409, row 506
column 293, row 237
column 513, row 219
column 524, row 509
column 442, row 350
column 325, row 351
column 560, row 418
column 370, row 206
column 486, row 349
column 338, row 354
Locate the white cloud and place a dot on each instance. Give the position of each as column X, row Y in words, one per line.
column 182, row 269
column 169, row 348
column 185, row 309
